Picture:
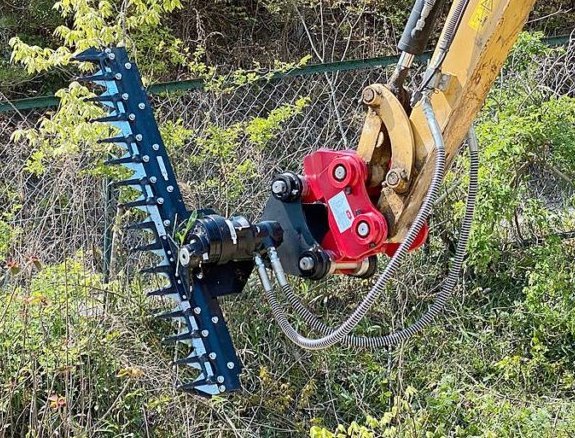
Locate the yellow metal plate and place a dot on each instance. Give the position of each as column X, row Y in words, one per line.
column 482, row 13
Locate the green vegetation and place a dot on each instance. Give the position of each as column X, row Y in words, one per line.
column 79, row 357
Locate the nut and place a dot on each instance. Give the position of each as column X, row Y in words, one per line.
column 279, row 187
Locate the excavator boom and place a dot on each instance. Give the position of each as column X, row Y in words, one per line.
column 339, row 214
column 461, row 77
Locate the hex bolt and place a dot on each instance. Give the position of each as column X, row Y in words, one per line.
column 339, row 173
column 197, row 310
column 222, row 388
column 212, row 356
column 220, row 379
column 363, row 229
column 397, row 180
column 215, row 319
column 128, row 66
column 125, row 96
column 230, row 365
column 170, row 189
column 160, row 201
column 205, row 333
column 145, row 158
column 392, row 179
column 142, row 105
column 111, row 56
column 139, row 137
column 155, row 146
column 118, row 76
column 167, row 223
column 153, row 179
column 279, row 187
column 306, row 263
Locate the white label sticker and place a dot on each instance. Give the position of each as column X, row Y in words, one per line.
column 341, row 211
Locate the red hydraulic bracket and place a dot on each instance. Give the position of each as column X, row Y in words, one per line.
column 357, row 229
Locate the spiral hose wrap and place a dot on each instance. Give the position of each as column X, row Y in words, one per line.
column 334, row 336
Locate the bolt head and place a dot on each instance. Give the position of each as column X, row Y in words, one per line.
column 170, row 189
column 167, row 223
column 153, row 179
column 125, row 96
column 155, row 146
column 230, row 365
column 118, row 76
column 279, row 187
column 392, row 178
column 142, row 105
column 111, row 56
column 139, row 137
column 220, row 379
column 212, row 356
column 215, row 319
column 205, row 333
column 222, row 388
column 128, row 66
column 197, row 310
column 160, row 201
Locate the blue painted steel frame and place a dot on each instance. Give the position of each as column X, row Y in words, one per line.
column 211, row 349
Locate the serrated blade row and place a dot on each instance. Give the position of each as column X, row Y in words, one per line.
column 144, row 154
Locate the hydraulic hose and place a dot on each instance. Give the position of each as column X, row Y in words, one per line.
column 441, row 299
column 353, row 320
column 443, row 46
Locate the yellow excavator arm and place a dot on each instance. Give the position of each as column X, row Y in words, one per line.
column 470, row 54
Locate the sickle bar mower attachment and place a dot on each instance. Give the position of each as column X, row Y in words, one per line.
column 203, row 328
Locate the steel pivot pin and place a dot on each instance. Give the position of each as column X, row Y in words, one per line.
column 363, row 229
column 339, row 172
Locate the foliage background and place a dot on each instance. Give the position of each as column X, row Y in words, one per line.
column 81, row 357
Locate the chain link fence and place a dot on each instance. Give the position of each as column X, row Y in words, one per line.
column 67, row 209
